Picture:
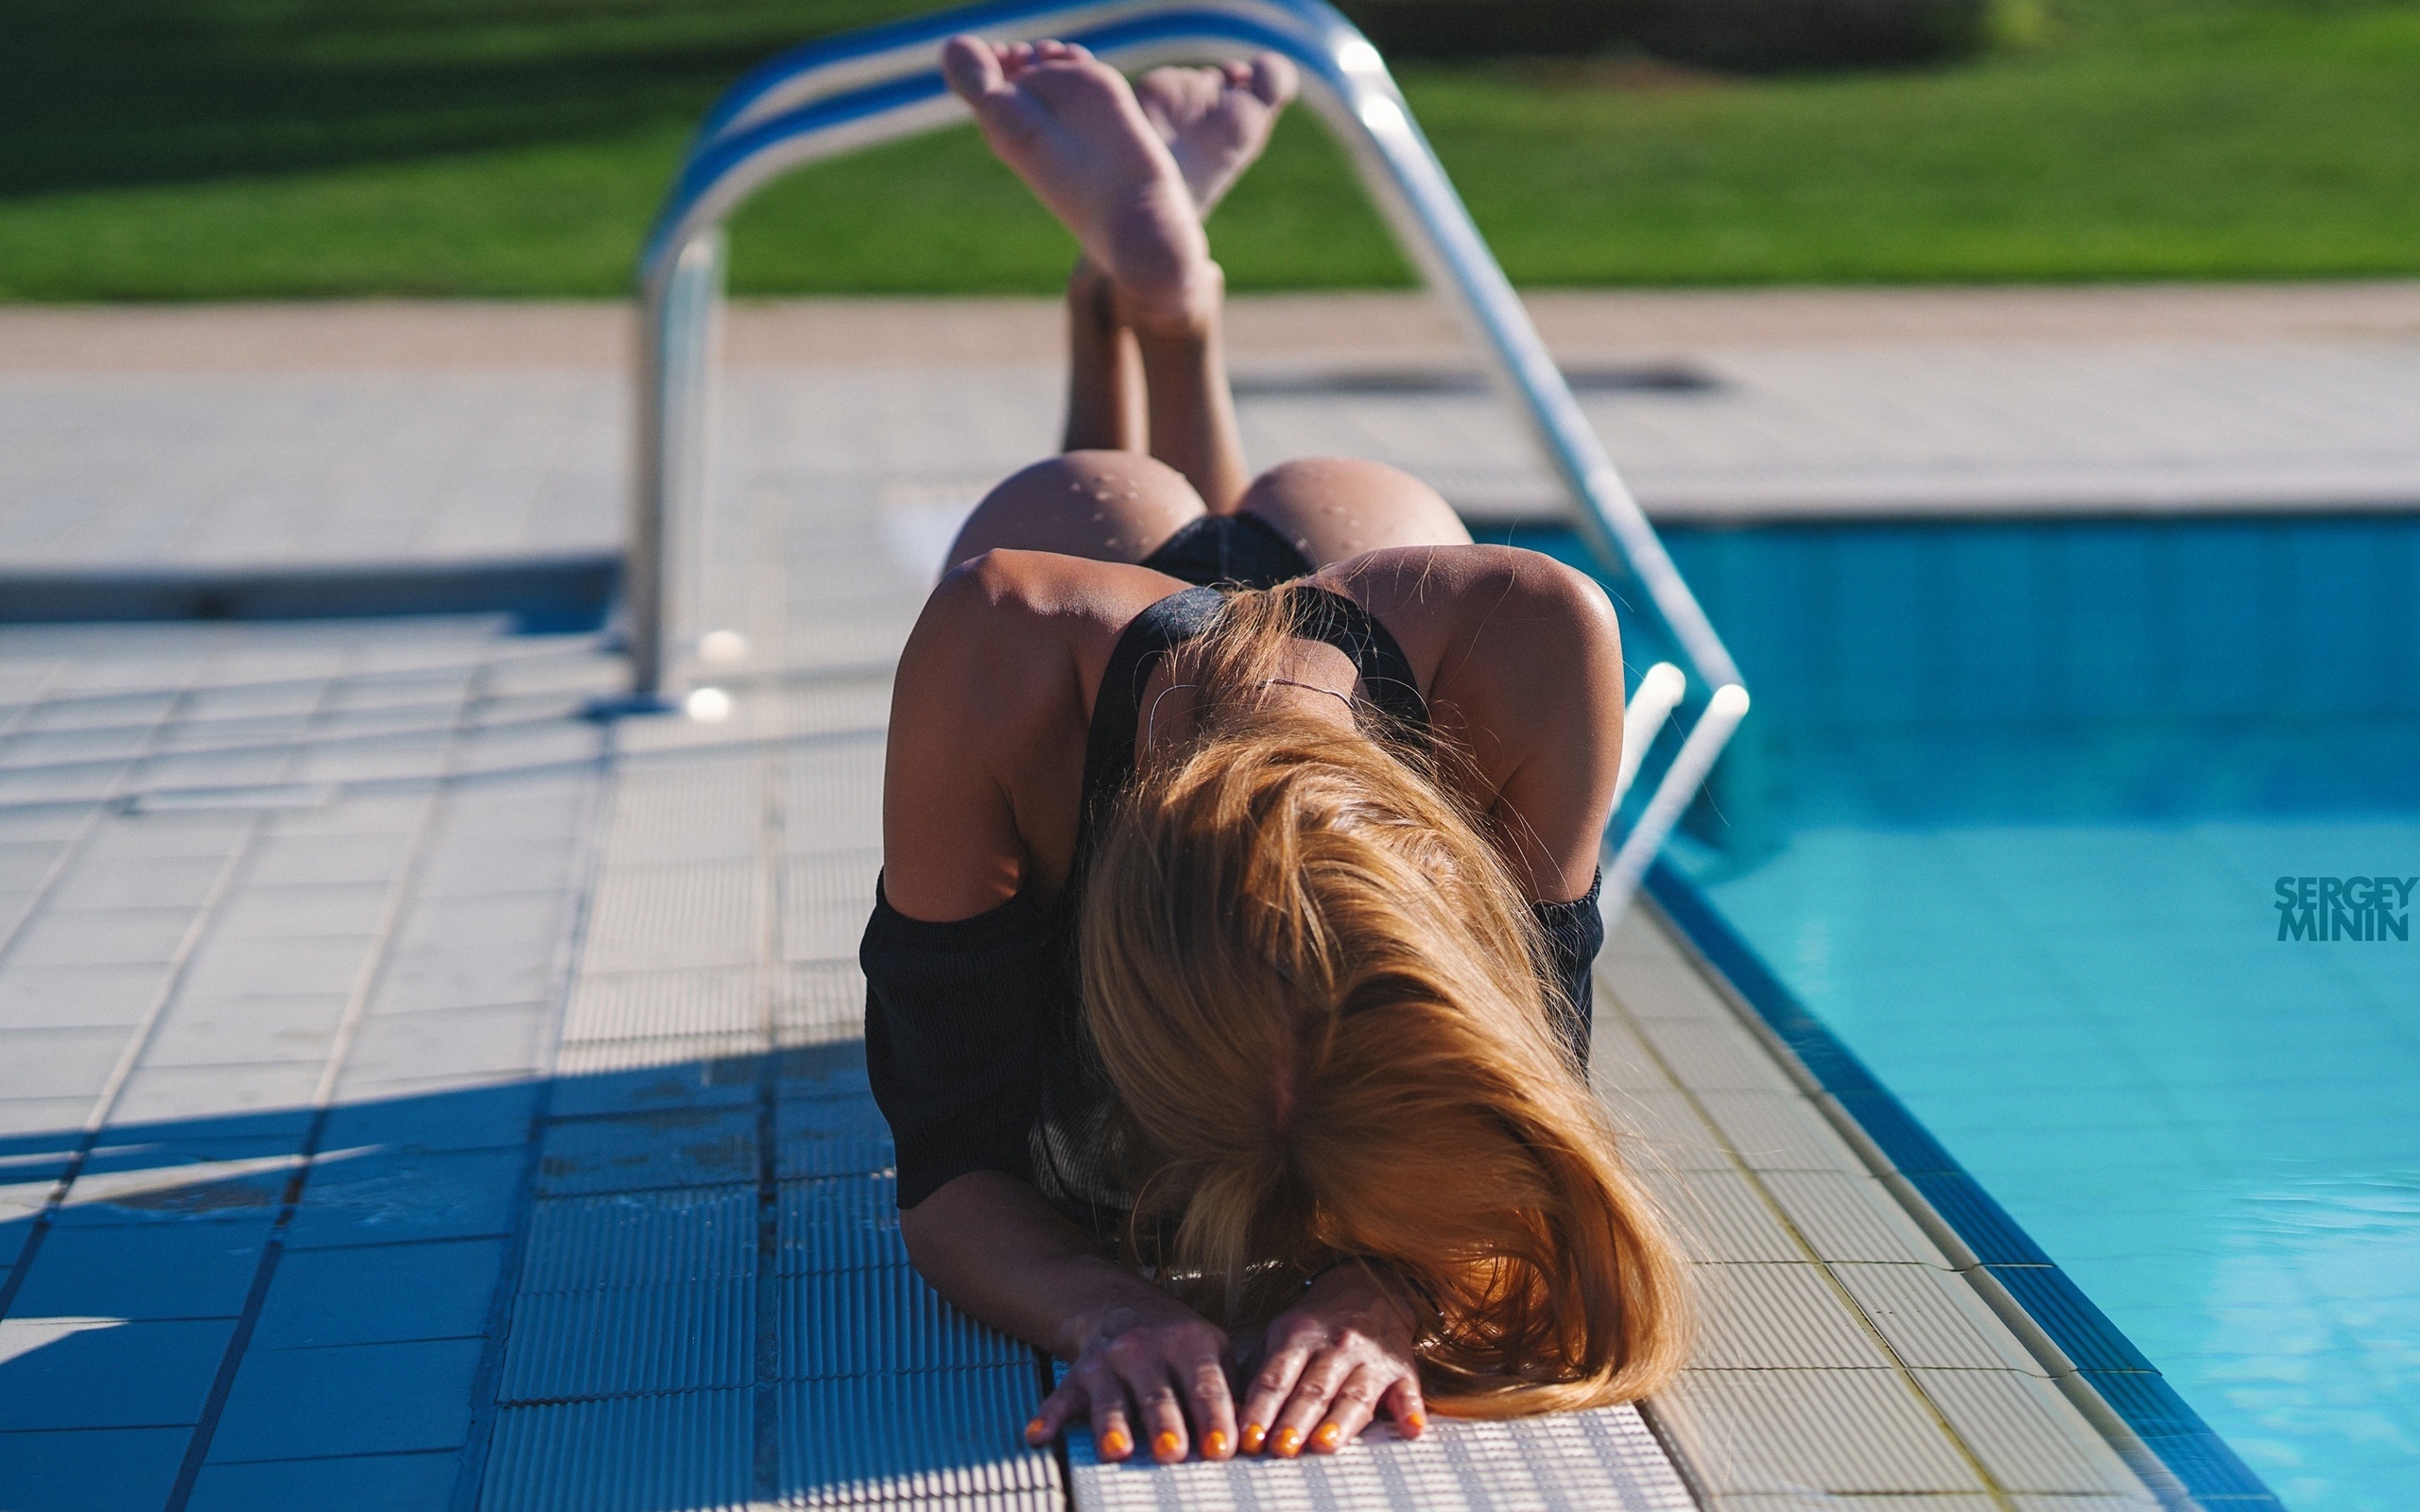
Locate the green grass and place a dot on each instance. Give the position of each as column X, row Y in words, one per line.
column 219, row 149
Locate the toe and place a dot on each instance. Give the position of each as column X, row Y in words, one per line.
column 973, row 67
column 1274, row 79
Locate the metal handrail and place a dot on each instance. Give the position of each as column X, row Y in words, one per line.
column 849, row 93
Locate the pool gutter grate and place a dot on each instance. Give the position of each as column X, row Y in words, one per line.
column 2184, row 1461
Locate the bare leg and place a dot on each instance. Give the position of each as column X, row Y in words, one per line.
column 1105, row 401
column 1140, row 389
column 1119, row 168
column 1215, row 122
column 1107, row 506
column 1334, row 507
column 1129, row 176
column 1191, row 410
column 1122, row 507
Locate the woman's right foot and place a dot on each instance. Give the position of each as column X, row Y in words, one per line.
column 1071, row 127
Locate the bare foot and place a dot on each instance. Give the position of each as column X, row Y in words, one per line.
column 1070, row 127
column 1215, row 120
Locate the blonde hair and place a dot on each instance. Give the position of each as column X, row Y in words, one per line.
column 1315, row 988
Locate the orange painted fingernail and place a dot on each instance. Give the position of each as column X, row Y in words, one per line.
column 1213, row 1444
column 1417, row 1422
column 1326, row 1436
column 1033, row 1430
column 1254, row 1433
column 1116, row 1445
column 1289, row 1443
column 1168, row 1445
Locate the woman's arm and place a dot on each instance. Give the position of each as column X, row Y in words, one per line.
column 986, row 739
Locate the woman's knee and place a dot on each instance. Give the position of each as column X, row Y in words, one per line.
column 1107, row 506
column 1333, row 508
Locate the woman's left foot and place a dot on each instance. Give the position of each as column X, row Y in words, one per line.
column 1215, row 120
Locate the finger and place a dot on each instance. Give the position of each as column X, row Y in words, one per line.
column 1143, row 1372
column 1349, row 1411
column 1113, row 1415
column 1213, row 1405
column 1113, row 1433
column 1307, row 1406
column 1271, row 1385
column 1054, row 1411
column 1163, row 1420
column 1402, row 1403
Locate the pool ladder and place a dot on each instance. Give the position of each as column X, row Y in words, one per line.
column 846, row 93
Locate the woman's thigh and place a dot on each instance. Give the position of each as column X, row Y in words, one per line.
column 1334, row 507
column 1107, row 506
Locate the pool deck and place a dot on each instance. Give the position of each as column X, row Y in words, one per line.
column 416, row 1095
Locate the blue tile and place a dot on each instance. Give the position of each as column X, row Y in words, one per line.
column 365, row 1399
column 2227, row 641
column 381, row 1294
column 13, row 1238
column 133, row 1375
column 728, row 1081
column 102, row 1469
column 361, row 1482
column 684, row 1148
column 481, row 1118
column 388, row 1198
column 143, row 1271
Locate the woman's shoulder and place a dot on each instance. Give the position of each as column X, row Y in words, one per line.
column 989, row 714
column 1477, row 613
column 1009, row 623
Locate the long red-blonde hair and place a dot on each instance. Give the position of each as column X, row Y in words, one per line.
column 1314, row 985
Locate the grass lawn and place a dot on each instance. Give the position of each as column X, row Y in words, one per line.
column 234, row 148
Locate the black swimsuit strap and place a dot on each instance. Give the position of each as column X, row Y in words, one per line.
column 1182, row 617
column 1109, row 746
column 1385, row 671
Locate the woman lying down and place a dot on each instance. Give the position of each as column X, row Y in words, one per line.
column 1229, row 968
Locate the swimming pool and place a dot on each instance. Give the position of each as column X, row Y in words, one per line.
column 2013, row 822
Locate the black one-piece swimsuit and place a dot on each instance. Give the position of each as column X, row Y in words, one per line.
column 974, row 1037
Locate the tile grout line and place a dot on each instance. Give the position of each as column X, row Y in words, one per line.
column 1668, row 1440
column 771, row 830
column 139, row 1039
column 1992, row 1487
column 479, row 1435
column 95, row 808
column 2149, row 1468
column 366, row 737
column 373, row 968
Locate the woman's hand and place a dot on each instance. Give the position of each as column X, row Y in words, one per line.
column 1141, row 1372
column 1333, row 1361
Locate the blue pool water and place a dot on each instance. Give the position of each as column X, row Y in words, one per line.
column 2017, row 803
